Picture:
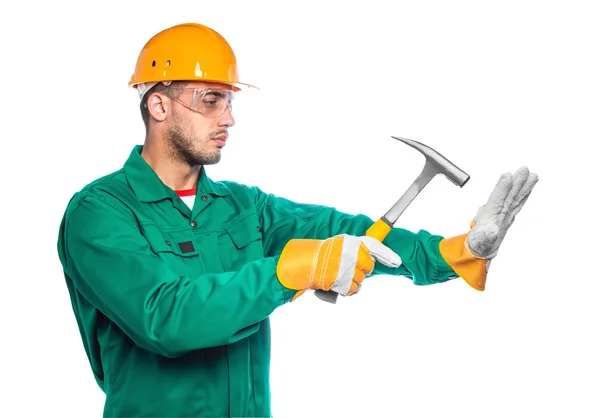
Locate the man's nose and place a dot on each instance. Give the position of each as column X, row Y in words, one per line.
column 227, row 118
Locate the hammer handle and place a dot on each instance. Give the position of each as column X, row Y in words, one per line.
column 379, row 231
column 383, row 226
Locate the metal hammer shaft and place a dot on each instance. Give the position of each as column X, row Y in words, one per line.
column 435, row 163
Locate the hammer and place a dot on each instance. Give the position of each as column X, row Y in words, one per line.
column 435, row 163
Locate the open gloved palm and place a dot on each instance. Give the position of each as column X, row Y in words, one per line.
column 494, row 218
column 470, row 254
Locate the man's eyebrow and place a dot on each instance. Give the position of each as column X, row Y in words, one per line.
column 216, row 93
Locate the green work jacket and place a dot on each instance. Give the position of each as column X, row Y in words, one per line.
column 173, row 304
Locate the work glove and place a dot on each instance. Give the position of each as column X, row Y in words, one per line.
column 469, row 255
column 339, row 263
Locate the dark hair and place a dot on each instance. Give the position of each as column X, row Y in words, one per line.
column 175, row 89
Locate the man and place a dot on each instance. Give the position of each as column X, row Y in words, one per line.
column 173, row 276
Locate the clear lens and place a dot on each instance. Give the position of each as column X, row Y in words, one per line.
column 210, row 103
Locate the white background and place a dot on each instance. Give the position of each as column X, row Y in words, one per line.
column 490, row 85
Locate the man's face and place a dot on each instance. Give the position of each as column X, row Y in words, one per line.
column 197, row 138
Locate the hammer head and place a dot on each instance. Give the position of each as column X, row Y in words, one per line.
column 438, row 163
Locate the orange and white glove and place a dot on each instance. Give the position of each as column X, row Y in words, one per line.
column 469, row 255
column 339, row 263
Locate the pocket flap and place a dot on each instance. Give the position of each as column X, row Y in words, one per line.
column 180, row 242
column 244, row 233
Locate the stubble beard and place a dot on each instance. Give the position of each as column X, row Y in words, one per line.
column 181, row 148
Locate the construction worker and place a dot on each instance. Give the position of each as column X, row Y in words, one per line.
column 173, row 276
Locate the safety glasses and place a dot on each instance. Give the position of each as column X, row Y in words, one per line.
column 211, row 103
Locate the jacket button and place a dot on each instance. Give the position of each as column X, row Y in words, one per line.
column 258, row 228
column 194, row 224
column 168, row 243
column 204, row 197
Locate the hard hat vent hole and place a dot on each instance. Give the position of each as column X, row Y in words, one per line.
column 168, row 62
column 154, row 63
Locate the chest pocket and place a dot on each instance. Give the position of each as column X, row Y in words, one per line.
column 177, row 247
column 178, row 242
column 241, row 242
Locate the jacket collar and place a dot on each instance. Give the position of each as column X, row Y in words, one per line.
column 148, row 187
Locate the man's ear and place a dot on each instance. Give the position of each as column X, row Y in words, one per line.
column 158, row 107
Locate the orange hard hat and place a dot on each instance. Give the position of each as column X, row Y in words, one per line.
column 189, row 51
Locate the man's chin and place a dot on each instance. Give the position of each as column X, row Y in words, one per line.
column 210, row 161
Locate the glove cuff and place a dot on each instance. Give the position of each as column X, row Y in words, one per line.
column 298, row 264
column 471, row 268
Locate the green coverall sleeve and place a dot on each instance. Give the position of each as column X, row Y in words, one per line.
column 112, row 266
column 284, row 220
